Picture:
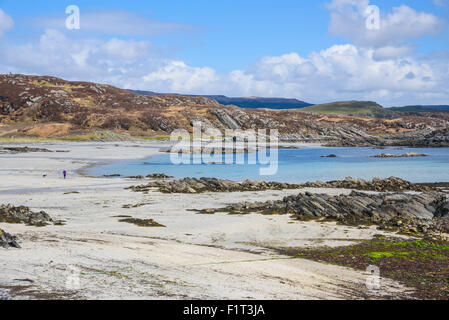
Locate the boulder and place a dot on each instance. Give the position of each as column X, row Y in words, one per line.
column 7, row 240
column 11, row 214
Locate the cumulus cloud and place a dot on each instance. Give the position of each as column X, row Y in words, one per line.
column 115, row 61
column 126, row 49
column 340, row 72
column 179, row 77
column 344, row 71
column 380, row 67
column 119, row 23
column 6, row 22
column 348, row 19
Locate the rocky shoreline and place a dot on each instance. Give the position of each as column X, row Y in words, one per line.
column 426, row 213
column 8, row 241
column 405, row 155
column 11, row 214
column 202, row 185
column 414, row 139
column 392, row 184
column 16, row 150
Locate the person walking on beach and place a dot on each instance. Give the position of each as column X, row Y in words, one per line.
column 64, row 173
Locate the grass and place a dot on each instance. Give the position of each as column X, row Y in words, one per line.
column 421, row 264
column 360, row 108
column 154, row 138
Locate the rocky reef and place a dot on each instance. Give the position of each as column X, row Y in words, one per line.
column 143, row 222
column 194, row 185
column 11, row 214
column 405, row 155
column 392, row 184
column 7, row 240
column 426, row 213
column 15, row 150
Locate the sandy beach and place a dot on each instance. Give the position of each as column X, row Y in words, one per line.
column 195, row 256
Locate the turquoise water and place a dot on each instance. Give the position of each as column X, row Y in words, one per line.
column 302, row 165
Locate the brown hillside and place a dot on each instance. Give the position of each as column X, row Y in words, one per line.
column 47, row 106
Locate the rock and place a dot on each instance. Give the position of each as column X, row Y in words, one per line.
column 406, row 155
column 193, row 185
column 15, row 150
column 4, row 295
column 415, row 213
column 7, row 240
column 158, row 176
column 391, row 184
column 330, row 156
column 11, row 214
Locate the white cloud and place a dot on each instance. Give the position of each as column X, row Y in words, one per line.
column 119, row 23
column 127, row 50
column 348, row 19
column 393, row 52
column 6, row 22
column 340, row 72
column 179, row 77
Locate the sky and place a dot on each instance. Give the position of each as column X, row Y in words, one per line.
column 317, row 51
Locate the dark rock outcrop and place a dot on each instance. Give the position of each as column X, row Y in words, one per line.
column 22, row 150
column 193, row 185
column 405, row 155
column 391, row 184
column 421, row 139
column 11, row 214
column 158, row 176
column 425, row 213
column 7, row 240
column 330, row 156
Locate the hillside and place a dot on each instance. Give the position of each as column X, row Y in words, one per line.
column 258, row 102
column 431, row 108
column 34, row 106
column 353, row 108
column 249, row 102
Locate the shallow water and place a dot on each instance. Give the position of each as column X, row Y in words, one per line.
column 302, row 165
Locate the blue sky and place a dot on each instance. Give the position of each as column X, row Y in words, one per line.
column 317, row 51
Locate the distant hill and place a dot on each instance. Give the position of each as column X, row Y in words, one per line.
column 45, row 106
column 436, row 108
column 249, row 102
column 352, row 108
column 259, row 103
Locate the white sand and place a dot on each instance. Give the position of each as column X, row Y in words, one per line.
column 196, row 256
